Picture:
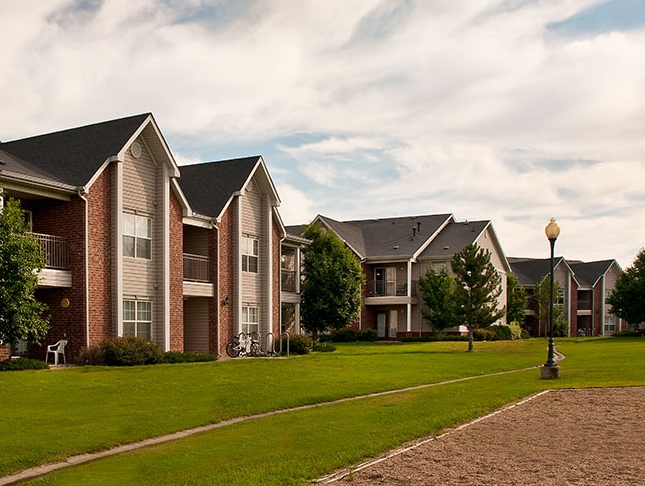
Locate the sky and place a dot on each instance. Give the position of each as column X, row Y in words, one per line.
column 514, row 111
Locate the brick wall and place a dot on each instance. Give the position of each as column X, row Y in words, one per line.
column 226, row 278
column 275, row 279
column 66, row 219
column 598, row 318
column 573, row 309
column 100, row 253
column 176, row 304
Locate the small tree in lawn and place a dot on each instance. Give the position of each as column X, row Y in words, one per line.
column 477, row 287
column 21, row 256
column 516, row 300
column 437, row 291
column 627, row 300
column 543, row 300
column 331, row 291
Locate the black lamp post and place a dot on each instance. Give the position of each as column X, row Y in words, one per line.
column 550, row 370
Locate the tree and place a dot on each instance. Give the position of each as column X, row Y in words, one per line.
column 516, row 300
column 331, row 291
column 627, row 300
column 543, row 301
column 437, row 291
column 477, row 287
column 21, row 257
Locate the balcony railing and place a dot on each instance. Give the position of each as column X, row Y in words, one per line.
column 197, row 268
column 388, row 289
column 288, row 279
column 55, row 248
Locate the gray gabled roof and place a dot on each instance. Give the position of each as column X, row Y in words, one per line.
column 530, row 271
column 454, row 237
column 74, row 156
column 591, row 272
column 388, row 238
column 209, row 186
column 10, row 164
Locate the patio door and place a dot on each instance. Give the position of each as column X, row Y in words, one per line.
column 393, row 323
column 380, row 325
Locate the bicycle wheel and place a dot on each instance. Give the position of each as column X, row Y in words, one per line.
column 233, row 349
column 254, row 349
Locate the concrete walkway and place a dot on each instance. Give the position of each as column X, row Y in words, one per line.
column 35, row 472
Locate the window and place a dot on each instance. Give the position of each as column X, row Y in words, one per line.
column 250, row 251
column 559, row 298
column 250, row 319
column 137, row 236
column 137, row 318
column 610, row 323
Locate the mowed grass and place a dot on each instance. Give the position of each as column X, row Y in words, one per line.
column 112, row 406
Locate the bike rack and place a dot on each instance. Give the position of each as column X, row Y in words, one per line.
column 269, row 343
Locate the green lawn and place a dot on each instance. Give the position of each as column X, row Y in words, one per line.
column 95, row 408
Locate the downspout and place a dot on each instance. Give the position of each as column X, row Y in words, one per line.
column 81, row 192
column 217, row 290
column 408, row 324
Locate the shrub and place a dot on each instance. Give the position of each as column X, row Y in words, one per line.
column 92, row 356
column 22, row 364
column 188, row 357
column 130, row 351
column 434, row 337
column 484, row 334
column 629, row 333
column 298, row 344
column 516, row 330
column 344, row 335
column 368, row 334
column 324, row 348
column 501, row 332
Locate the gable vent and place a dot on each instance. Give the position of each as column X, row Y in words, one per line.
column 135, row 150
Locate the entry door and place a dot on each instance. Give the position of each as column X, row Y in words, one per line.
column 393, row 323
column 380, row 324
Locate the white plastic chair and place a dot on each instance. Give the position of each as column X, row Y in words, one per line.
column 56, row 349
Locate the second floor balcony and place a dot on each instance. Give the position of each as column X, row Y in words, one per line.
column 55, row 248
column 381, row 288
column 288, row 280
column 197, row 268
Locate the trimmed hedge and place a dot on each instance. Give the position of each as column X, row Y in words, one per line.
column 130, row 351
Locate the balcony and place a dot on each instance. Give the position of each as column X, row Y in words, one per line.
column 55, row 248
column 288, row 280
column 386, row 293
column 197, row 268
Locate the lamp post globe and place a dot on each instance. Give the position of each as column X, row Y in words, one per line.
column 550, row 369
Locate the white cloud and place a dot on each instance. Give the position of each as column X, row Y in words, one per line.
column 416, row 107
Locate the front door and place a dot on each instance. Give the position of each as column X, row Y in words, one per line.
column 380, row 325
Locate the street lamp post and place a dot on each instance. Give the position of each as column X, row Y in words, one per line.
column 550, row 369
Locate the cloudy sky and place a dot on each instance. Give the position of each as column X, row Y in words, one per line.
column 510, row 110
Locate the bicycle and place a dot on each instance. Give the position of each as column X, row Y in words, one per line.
column 243, row 345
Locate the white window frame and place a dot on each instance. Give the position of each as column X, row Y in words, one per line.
column 137, row 236
column 137, row 315
column 250, row 254
column 250, row 318
column 610, row 323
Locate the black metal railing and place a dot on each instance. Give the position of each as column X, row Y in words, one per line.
column 288, row 280
column 381, row 288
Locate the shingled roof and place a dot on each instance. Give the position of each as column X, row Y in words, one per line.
column 390, row 238
column 209, row 186
column 454, row 237
column 530, row 271
column 73, row 156
column 590, row 272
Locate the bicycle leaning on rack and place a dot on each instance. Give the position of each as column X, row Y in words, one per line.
column 244, row 345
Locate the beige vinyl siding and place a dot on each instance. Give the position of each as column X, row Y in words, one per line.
column 196, row 325
column 254, row 288
column 142, row 195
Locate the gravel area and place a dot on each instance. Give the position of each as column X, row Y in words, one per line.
column 564, row 437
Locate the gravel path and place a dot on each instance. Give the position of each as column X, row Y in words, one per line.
column 565, row 437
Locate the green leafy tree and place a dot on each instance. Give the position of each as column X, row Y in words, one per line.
column 331, row 291
column 542, row 297
column 627, row 300
column 21, row 256
column 477, row 287
column 437, row 291
column 516, row 300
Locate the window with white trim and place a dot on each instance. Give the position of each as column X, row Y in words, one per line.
column 250, row 254
column 610, row 323
column 137, row 236
column 137, row 318
column 250, row 318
